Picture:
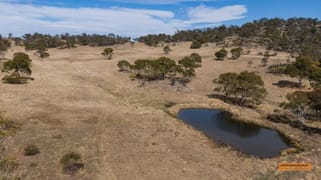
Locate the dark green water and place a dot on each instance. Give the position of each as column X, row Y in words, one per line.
column 248, row 138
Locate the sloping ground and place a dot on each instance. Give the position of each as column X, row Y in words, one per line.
column 80, row 102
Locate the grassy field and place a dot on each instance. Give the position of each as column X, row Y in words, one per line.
column 80, row 102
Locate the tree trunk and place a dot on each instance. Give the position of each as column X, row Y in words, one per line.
column 300, row 82
column 301, row 114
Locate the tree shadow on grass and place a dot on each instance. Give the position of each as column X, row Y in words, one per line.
column 287, row 84
column 232, row 100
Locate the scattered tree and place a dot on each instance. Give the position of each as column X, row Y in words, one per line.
column 228, row 82
column 303, row 67
column 221, row 54
column 236, row 53
column 196, row 45
column 197, row 59
column 43, row 53
column 246, row 86
column 123, row 65
column 298, row 104
column 264, row 61
column 108, row 52
column 166, row 49
column 315, row 100
column 164, row 68
column 19, row 66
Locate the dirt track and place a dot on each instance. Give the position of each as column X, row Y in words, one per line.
column 80, row 102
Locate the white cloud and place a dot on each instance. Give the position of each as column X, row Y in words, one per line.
column 203, row 14
column 161, row 1
column 20, row 19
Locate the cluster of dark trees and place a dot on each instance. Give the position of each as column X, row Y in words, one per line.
column 39, row 41
column 304, row 103
column 295, row 35
column 163, row 68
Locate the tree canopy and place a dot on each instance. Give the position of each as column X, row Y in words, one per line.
column 236, row 52
column 221, row 54
column 196, row 45
column 303, row 67
column 166, row 49
column 294, row 35
column 18, row 67
column 39, row 41
column 164, row 68
column 108, row 52
column 123, row 65
column 245, row 86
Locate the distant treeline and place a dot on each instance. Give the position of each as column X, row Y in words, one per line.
column 39, row 41
column 4, row 44
column 295, row 35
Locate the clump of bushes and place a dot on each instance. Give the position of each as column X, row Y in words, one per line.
column 123, row 65
column 43, row 53
column 236, row 52
column 221, row 54
column 166, row 49
column 277, row 68
column 31, row 150
column 72, row 163
column 108, row 52
column 196, row 45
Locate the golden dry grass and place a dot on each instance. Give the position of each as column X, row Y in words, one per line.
column 80, row 102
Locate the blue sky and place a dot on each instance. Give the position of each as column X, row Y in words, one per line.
column 138, row 17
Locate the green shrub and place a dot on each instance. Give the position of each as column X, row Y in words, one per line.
column 277, row 69
column 196, row 45
column 72, row 163
column 236, row 53
column 43, row 53
column 31, row 150
column 123, row 65
column 166, row 49
column 108, row 52
column 221, row 54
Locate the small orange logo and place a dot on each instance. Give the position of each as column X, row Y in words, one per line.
column 295, row 166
